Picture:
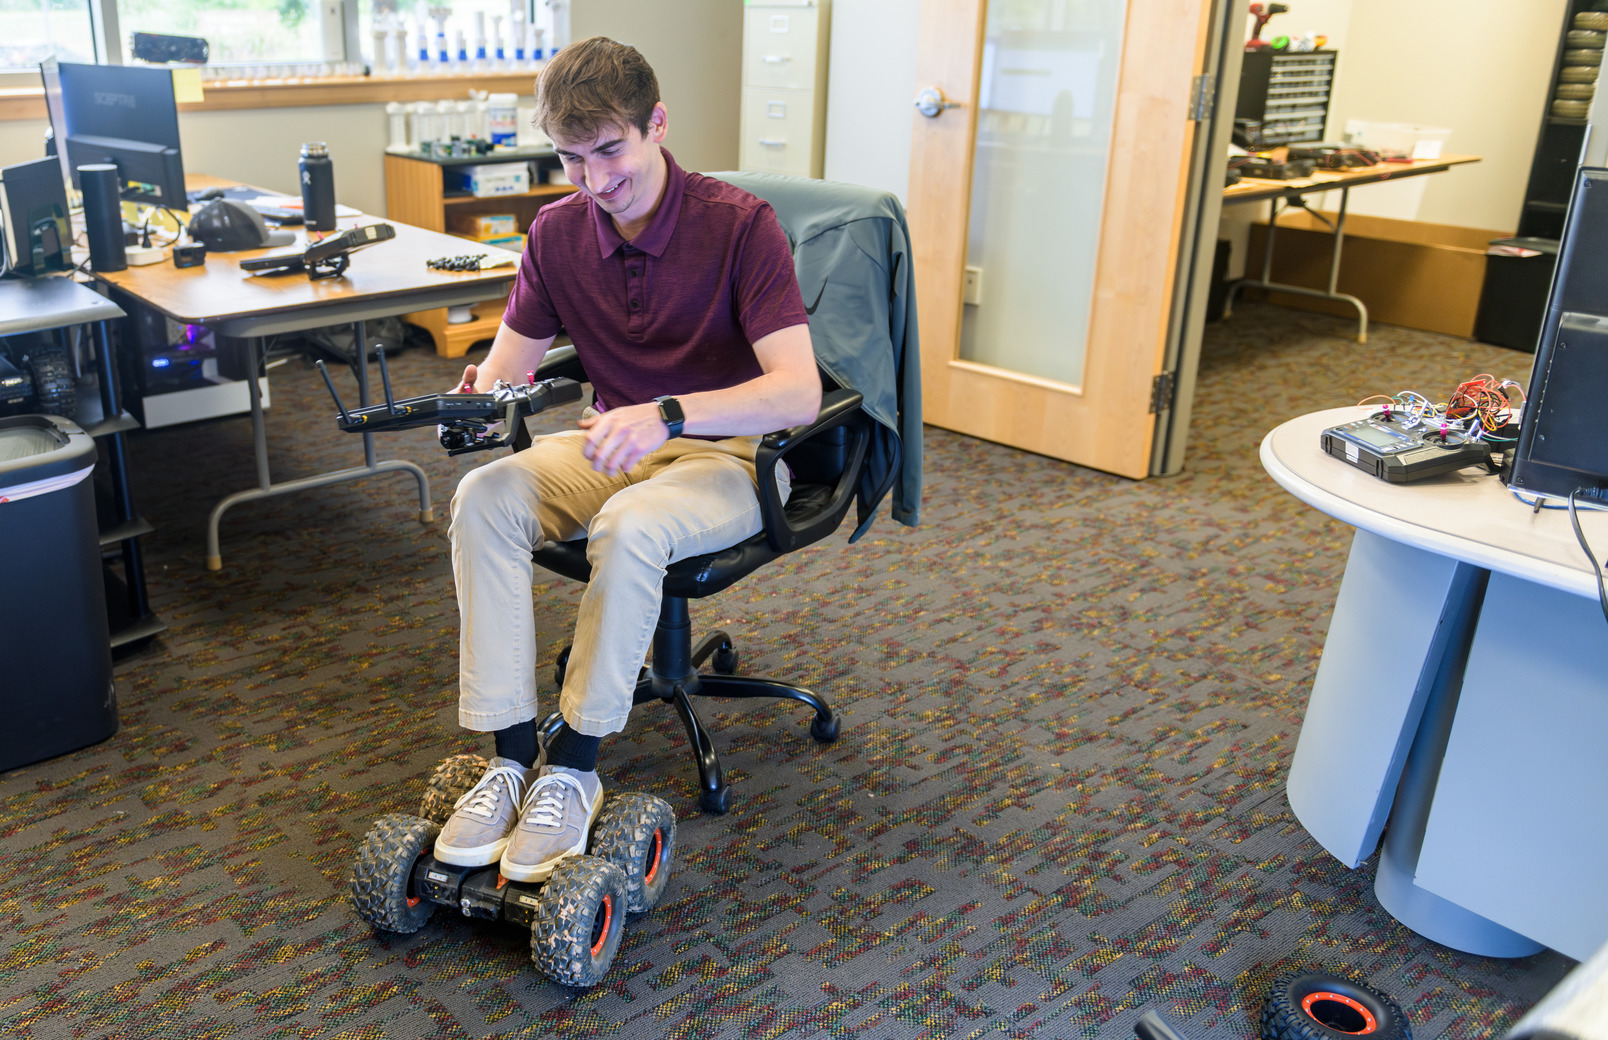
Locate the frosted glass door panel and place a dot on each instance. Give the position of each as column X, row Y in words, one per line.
column 1048, row 95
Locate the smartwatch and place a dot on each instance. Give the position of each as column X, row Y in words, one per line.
column 670, row 411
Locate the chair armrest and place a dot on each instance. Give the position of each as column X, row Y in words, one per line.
column 561, row 361
column 838, row 407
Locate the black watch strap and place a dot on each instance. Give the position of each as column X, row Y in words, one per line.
column 670, row 411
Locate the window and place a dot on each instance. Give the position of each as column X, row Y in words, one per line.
column 33, row 30
column 247, row 32
column 236, row 31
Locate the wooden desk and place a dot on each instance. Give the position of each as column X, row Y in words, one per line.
column 1290, row 192
column 383, row 280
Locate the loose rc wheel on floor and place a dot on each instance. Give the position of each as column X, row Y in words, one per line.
column 637, row 833
column 577, row 927
column 1315, row 1005
column 382, row 875
column 451, row 780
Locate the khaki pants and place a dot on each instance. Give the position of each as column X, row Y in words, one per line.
column 689, row 497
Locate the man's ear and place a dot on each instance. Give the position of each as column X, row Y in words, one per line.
column 658, row 123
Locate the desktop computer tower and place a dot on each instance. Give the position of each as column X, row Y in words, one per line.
column 176, row 373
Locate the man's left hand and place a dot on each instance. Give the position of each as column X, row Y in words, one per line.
column 619, row 438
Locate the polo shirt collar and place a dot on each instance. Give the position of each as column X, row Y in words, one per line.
column 657, row 234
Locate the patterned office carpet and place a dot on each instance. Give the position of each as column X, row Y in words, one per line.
column 1069, row 703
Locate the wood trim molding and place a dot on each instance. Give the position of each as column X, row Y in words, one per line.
column 29, row 102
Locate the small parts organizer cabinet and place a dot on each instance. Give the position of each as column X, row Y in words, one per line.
column 1287, row 92
column 422, row 191
column 784, row 86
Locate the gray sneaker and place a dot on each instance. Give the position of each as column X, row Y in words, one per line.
column 554, row 822
column 483, row 820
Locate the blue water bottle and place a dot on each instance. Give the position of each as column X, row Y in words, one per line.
column 318, row 187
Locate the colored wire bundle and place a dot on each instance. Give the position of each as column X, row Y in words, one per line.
column 1480, row 408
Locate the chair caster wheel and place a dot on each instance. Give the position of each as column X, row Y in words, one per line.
column 824, row 730
column 715, row 803
column 725, row 661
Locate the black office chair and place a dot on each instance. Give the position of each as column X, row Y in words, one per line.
column 826, row 458
column 829, row 461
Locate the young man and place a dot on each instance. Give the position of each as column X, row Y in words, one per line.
column 679, row 294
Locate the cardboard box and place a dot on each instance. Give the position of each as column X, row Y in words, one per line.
column 483, row 226
column 1422, row 276
column 491, row 179
column 513, row 242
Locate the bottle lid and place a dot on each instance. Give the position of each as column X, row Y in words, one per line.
column 314, row 148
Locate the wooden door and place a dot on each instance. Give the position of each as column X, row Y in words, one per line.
column 1117, row 315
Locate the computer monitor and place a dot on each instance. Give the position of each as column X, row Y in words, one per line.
column 119, row 114
column 1563, row 438
column 34, row 224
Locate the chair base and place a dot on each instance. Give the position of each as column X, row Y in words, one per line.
column 675, row 680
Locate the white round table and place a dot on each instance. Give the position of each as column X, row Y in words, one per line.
column 1461, row 698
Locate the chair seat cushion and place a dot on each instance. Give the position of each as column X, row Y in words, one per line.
column 697, row 576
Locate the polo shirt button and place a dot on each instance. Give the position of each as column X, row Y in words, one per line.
column 636, row 304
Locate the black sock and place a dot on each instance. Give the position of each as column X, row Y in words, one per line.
column 573, row 750
column 518, row 742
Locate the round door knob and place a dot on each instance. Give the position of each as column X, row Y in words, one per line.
column 931, row 101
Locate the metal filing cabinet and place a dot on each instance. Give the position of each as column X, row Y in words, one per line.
column 1287, row 92
column 784, row 86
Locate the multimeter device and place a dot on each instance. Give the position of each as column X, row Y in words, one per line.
column 1399, row 454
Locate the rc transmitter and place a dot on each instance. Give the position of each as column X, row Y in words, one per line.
column 1397, row 453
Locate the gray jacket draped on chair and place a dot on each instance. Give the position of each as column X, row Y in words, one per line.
column 851, row 251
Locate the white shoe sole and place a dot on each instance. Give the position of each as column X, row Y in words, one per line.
column 479, row 856
column 543, row 870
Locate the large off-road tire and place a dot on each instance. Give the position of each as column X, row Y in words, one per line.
column 577, row 927
column 1315, row 1005
column 55, row 392
column 637, row 833
column 382, row 875
column 450, row 781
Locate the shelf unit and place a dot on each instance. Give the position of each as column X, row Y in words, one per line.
column 1563, row 136
column 416, row 193
column 1288, row 92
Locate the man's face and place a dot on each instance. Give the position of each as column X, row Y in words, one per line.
column 620, row 168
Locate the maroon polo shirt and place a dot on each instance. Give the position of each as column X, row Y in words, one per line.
column 675, row 311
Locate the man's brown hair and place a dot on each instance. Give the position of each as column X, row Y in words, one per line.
column 594, row 85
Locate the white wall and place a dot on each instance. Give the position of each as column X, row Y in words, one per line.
column 1480, row 67
column 696, row 49
column 871, row 80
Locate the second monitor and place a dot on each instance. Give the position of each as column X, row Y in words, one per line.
column 123, row 115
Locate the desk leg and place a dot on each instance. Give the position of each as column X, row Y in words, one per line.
column 266, row 488
column 1396, row 884
column 1330, row 293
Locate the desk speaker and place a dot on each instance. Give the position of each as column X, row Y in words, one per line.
column 103, row 216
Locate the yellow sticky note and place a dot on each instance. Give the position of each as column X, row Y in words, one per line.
column 187, row 84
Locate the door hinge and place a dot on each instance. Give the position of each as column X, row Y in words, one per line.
column 1202, row 91
column 1161, row 393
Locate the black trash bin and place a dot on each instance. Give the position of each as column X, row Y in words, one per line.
column 55, row 647
column 1513, row 300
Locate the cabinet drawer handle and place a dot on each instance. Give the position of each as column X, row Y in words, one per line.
column 772, row 142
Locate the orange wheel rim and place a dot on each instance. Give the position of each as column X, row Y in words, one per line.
column 1369, row 1023
column 608, row 920
column 654, row 854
